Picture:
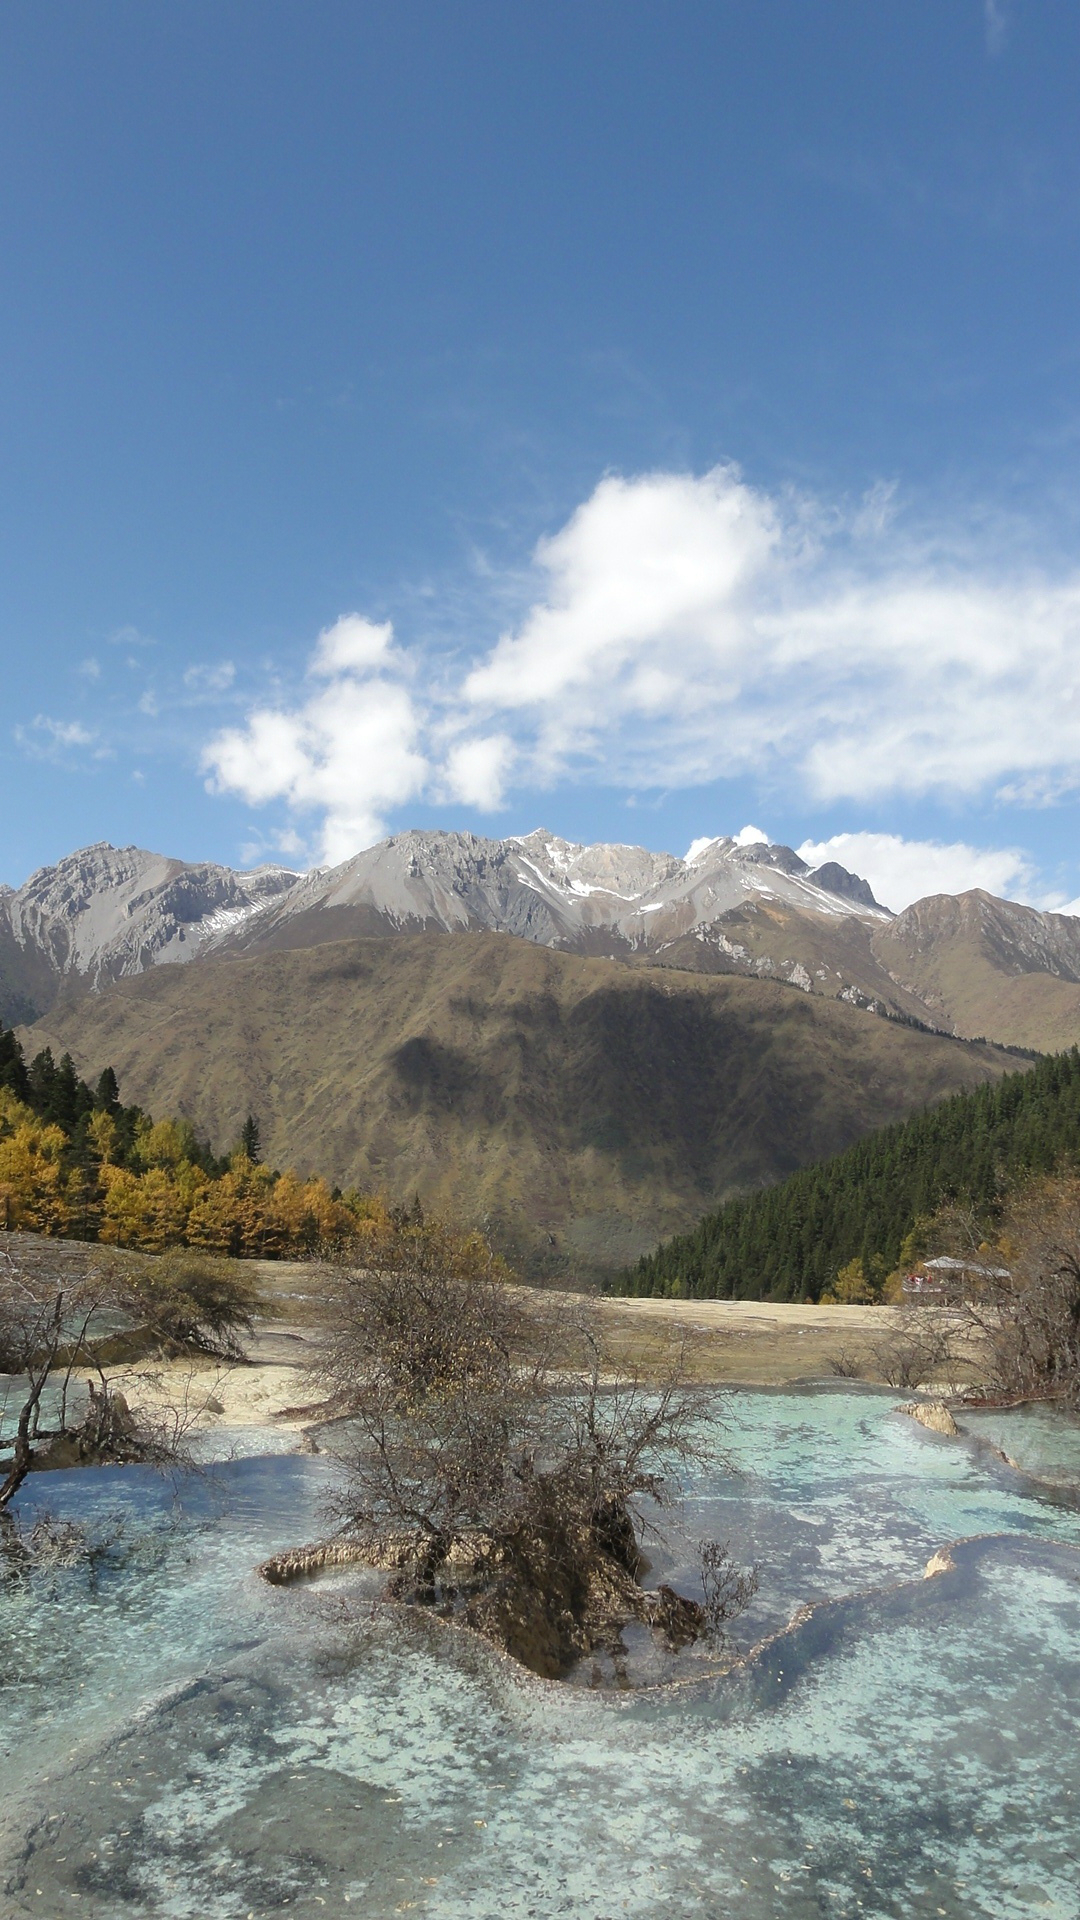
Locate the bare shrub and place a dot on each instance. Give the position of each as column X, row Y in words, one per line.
column 1022, row 1302
column 845, row 1365
column 48, row 1544
column 921, row 1346
column 727, row 1588
column 51, row 1329
column 498, row 1464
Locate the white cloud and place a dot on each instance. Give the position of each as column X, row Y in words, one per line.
column 49, row 739
column 476, row 771
column 900, row 871
column 130, row 637
column 348, row 752
column 352, row 645
column 647, row 595
column 693, row 628
column 64, row 733
column 690, row 628
column 701, row 845
column 216, row 678
column 746, row 837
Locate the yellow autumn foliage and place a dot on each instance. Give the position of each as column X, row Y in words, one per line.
column 164, row 1199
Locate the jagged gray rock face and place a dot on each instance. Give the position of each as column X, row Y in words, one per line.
column 109, row 911
column 106, row 912
column 552, row 891
column 837, row 879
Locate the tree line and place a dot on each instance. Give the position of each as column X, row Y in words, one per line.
column 76, row 1163
column 790, row 1241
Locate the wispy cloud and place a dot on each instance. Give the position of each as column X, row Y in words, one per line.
column 49, row 739
column 129, row 636
column 213, row 678
column 996, row 24
column 63, row 733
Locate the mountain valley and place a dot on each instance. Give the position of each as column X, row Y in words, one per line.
column 579, row 1107
column 585, row 1046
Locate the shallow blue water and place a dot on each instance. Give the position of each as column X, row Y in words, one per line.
column 1043, row 1439
column 911, row 1749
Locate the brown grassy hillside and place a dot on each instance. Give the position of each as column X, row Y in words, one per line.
column 582, row 1106
column 988, row 966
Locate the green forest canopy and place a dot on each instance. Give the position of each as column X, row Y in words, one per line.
column 789, row 1241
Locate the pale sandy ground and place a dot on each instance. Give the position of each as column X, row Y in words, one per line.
column 747, row 1343
column 272, row 1389
column 729, row 1342
column 751, row 1316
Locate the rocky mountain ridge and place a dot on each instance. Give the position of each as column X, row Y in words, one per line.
column 606, row 899
column 108, row 912
column 105, row 913
column 969, row 965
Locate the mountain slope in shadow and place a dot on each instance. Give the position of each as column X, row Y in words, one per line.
column 581, row 1107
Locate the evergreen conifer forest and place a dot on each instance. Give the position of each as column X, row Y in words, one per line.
column 789, row 1241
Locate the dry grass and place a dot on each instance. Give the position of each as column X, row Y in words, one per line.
column 745, row 1342
column 724, row 1342
column 752, row 1342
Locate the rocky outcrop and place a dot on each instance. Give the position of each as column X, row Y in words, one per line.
column 547, row 1599
column 303, row 1563
column 939, row 1562
column 933, row 1414
column 848, row 886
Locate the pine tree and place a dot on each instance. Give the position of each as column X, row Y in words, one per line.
column 69, row 1097
column 107, row 1095
column 41, row 1080
column 13, row 1074
column 250, row 1143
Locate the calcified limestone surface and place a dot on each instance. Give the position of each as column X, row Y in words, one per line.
column 908, row 1748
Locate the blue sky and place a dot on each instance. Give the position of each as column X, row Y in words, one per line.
column 642, row 419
